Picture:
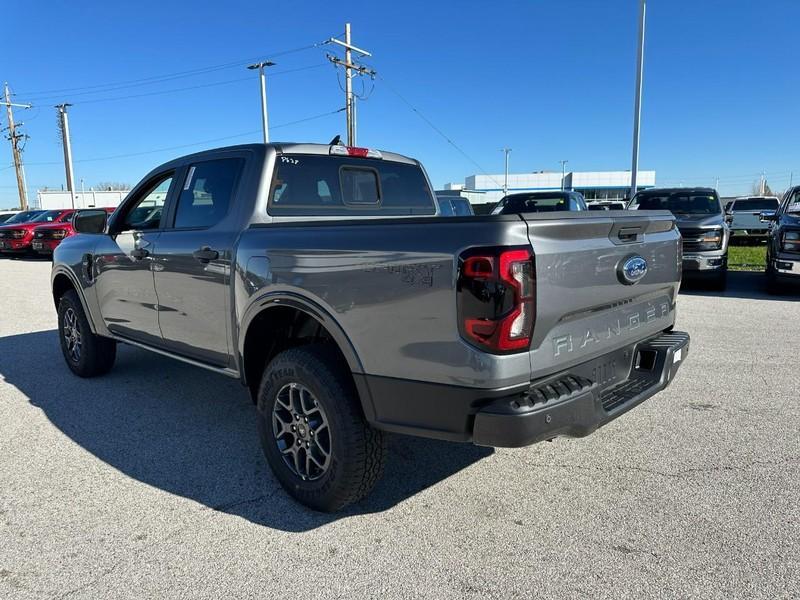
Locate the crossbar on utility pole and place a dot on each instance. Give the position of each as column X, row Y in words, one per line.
column 16, row 151
column 349, row 68
column 637, row 107
column 62, row 113
column 264, row 117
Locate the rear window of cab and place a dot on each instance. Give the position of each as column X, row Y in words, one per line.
column 312, row 184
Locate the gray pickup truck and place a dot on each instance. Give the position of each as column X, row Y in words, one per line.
column 322, row 277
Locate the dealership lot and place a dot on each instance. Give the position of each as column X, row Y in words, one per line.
column 149, row 482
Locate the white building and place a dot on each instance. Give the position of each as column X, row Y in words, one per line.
column 50, row 199
column 594, row 185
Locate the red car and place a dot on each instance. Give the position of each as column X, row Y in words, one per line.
column 47, row 237
column 17, row 238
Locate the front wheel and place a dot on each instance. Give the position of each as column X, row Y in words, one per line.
column 87, row 354
column 313, row 432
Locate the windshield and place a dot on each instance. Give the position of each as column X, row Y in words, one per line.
column 47, row 216
column 22, row 217
column 684, row 203
column 754, row 204
column 519, row 203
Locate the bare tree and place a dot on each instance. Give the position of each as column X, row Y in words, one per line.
column 113, row 186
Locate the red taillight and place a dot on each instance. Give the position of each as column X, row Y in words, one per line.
column 496, row 298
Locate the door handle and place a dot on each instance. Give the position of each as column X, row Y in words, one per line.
column 205, row 254
column 139, row 253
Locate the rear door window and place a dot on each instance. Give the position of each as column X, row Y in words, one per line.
column 207, row 193
column 310, row 184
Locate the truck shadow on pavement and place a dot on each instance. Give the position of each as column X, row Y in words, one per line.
column 741, row 284
column 193, row 433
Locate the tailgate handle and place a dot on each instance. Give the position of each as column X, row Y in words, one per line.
column 629, row 234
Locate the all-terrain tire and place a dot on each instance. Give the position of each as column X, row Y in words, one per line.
column 356, row 451
column 87, row 354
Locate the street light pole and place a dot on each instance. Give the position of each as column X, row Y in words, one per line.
column 264, row 119
column 563, row 172
column 637, row 107
column 505, row 181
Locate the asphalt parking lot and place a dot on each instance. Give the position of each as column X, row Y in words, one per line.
column 149, row 482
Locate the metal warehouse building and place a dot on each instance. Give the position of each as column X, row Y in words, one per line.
column 594, row 185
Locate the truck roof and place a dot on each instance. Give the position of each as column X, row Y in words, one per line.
column 291, row 148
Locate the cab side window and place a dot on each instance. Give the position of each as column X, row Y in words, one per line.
column 207, row 192
column 146, row 213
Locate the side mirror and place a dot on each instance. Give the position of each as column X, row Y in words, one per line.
column 90, row 221
column 728, row 218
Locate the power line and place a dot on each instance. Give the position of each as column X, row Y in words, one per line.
column 194, row 87
column 437, row 130
column 169, row 76
column 199, row 143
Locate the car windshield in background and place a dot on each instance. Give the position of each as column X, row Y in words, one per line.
column 521, row 203
column 22, row 217
column 754, row 204
column 47, row 216
column 680, row 203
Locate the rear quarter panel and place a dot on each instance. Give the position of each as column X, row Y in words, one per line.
column 389, row 284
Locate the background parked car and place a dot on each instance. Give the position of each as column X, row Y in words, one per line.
column 16, row 234
column 783, row 243
column 453, row 206
column 6, row 215
column 606, row 205
column 701, row 221
column 744, row 216
column 46, row 237
column 540, row 202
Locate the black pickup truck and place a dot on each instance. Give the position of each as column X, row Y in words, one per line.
column 323, row 278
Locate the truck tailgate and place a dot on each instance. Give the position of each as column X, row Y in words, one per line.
column 585, row 307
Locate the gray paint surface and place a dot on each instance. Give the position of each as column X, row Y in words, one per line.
column 386, row 286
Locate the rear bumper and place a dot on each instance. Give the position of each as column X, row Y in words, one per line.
column 572, row 403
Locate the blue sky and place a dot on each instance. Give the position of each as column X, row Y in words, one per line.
column 551, row 79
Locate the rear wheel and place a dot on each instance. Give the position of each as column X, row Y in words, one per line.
column 313, row 432
column 87, row 354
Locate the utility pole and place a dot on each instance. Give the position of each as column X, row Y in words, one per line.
column 505, row 181
column 563, row 172
column 16, row 151
column 637, row 105
column 716, row 184
column 64, row 121
column 264, row 119
column 349, row 68
column 762, row 184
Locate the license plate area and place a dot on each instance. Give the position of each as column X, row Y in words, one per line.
column 607, row 370
column 37, row 245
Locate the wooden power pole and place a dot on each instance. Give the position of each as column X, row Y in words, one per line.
column 15, row 137
column 349, row 68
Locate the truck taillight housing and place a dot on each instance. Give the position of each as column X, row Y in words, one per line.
column 496, row 292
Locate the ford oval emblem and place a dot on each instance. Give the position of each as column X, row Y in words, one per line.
column 632, row 269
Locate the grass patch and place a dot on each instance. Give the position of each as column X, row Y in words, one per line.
column 747, row 258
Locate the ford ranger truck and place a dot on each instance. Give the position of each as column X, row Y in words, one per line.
column 321, row 277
